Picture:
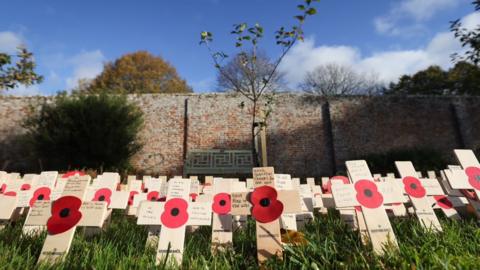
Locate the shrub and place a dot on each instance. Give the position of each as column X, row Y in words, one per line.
column 85, row 131
column 422, row 158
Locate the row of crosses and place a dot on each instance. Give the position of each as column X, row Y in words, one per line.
column 274, row 201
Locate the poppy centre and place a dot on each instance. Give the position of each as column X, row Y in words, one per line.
column 40, row 197
column 65, row 212
column 368, row 193
column 175, row 212
column 413, row 186
column 265, row 202
column 222, row 202
column 101, row 198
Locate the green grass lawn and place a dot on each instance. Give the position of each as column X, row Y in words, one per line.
column 330, row 245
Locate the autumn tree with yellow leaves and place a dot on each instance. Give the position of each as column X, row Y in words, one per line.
column 137, row 73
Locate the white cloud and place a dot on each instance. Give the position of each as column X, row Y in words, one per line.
column 388, row 65
column 9, row 41
column 86, row 65
column 424, row 9
column 305, row 57
column 471, row 21
column 406, row 11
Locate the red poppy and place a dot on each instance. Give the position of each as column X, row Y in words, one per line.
column 162, row 199
column 65, row 215
column 131, row 197
column 473, row 174
column 175, row 213
column 413, row 187
column 328, row 187
column 153, row 196
column 3, row 188
column 266, row 207
column 40, row 194
column 367, row 194
column 443, row 201
column 10, row 193
column 103, row 195
column 72, row 173
column 222, row 203
column 25, row 187
column 193, row 196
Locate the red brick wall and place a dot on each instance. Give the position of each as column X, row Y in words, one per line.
column 298, row 137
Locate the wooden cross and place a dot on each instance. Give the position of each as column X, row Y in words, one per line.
column 287, row 221
column 348, row 214
column 306, row 202
column 371, row 197
column 63, row 216
column 466, row 178
column 394, row 209
column 104, row 188
column 266, row 204
column 134, row 187
column 41, row 189
column 417, row 190
column 222, row 218
column 351, row 216
column 174, row 215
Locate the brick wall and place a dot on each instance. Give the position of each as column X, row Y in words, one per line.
column 305, row 136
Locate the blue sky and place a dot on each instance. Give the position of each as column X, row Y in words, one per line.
column 72, row 39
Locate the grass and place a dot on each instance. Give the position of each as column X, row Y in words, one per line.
column 330, row 245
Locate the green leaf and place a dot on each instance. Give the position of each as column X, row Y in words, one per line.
column 205, row 34
column 301, row 7
column 311, row 11
column 300, row 18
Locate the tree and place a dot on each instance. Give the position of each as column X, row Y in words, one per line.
column 22, row 72
column 247, row 39
column 470, row 39
column 431, row 81
column 334, row 79
column 235, row 73
column 462, row 79
column 138, row 72
column 85, row 131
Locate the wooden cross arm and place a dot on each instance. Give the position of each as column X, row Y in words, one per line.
column 93, row 214
column 432, row 186
column 119, row 200
column 38, row 214
column 149, row 213
column 466, row 158
column 457, row 179
column 290, row 199
column 345, row 195
column 8, row 205
column 199, row 214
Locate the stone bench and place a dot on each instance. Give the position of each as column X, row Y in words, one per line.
column 216, row 162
